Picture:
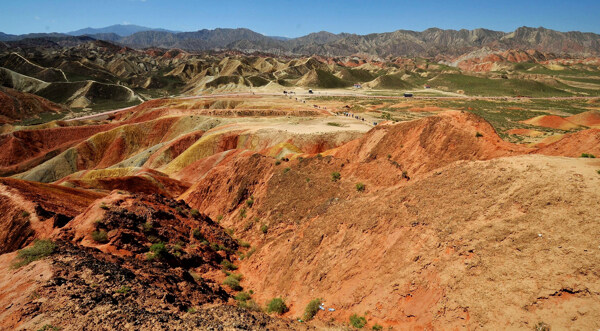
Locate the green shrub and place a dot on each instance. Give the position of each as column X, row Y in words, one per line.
column 335, row 176
column 124, row 289
column 243, row 213
column 277, row 162
column 198, row 235
column 587, row 155
column 25, row 214
column 360, row 187
column 277, row 305
column 598, row 171
column 159, row 251
column 250, row 202
column 100, row 236
column 242, row 296
column 478, row 134
column 334, row 124
column 39, row 250
column 244, row 244
column 285, row 170
column 358, row 322
column 194, row 213
column 250, row 252
column 219, row 218
column 249, row 305
column 180, row 210
column 264, row 228
column 147, row 226
column 49, row 327
column 541, row 326
column 311, row 309
column 103, row 206
column 227, row 265
column 377, row 327
column 233, row 281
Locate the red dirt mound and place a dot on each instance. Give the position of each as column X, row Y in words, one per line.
column 589, row 118
column 574, row 144
column 147, row 181
column 22, row 150
column 31, row 210
column 552, row 121
column 15, row 105
column 422, row 145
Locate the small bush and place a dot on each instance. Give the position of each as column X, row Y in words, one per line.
column 598, row 171
column 358, row 322
column 285, row 170
column 227, row 265
column 277, row 305
column 100, row 236
column 277, row 162
column 307, row 180
column 124, row 289
column 243, row 213
column 103, row 206
column 311, row 309
column 360, row 187
column 194, row 213
column 219, row 218
column 334, row 124
column 377, row 327
column 25, row 214
column 541, row 326
column 335, row 176
column 250, row 202
column 478, row 134
column 192, row 310
column 147, row 226
column 242, row 296
column 233, row 281
column 250, row 252
column 244, row 244
column 197, row 234
column 159, row 251
column 49, row 327
column 264, row 228
column 587, row 155
column 249, row 305
column 39, row 250
column 180, row 210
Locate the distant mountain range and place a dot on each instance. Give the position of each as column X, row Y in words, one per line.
column 432, row 42
column 121, row 30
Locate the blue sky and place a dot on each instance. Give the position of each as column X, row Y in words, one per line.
column 299, row 17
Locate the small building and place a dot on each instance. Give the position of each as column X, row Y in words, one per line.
column 427, row 86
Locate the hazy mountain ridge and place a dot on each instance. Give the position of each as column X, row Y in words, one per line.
column 431, row 42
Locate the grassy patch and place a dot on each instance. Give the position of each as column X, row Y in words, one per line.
column 311, row 309
column 277, row 305
column 100, row 236
column 358, row 322
column 233, row 281
column 39, row 250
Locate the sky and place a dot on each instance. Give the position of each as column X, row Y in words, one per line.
column 299, row 17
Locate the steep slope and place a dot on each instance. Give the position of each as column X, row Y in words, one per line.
column 33, row 210
column 15, row 106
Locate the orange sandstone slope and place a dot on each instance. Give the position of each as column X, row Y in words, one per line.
column 455, row 245
column 32, row 210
